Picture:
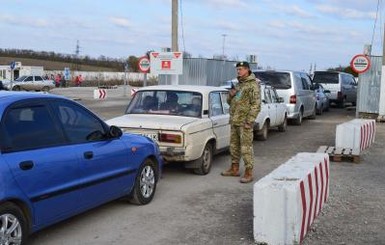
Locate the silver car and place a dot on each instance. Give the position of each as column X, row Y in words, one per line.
column 342, row 86
column 296, row 90
column 30, row 83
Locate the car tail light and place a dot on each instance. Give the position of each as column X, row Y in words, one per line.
column 293, row 99
column 339, row 95
column 170, row 138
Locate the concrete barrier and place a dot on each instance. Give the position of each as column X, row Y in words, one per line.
column 287, row 200
column 357, row 134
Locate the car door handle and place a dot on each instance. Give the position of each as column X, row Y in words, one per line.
column 215, row 123
column 88, row 154
column 26, row 165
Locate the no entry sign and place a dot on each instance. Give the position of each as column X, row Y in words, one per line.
column 360, row 63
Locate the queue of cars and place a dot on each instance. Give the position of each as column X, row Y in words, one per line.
column 59, row 159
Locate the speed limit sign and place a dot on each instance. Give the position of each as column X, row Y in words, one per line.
column 360, row 63
column 144, row 64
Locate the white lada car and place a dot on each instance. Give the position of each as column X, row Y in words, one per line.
column 189, row 123
column 273, row 114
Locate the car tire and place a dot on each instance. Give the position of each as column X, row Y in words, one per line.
column 313, row 114
column 298, row 120
column 145, row 183
column 264, row 132
column 45, row 89
column 205, row 161
column 283, row 126
column 16, row 88
column 15, row 230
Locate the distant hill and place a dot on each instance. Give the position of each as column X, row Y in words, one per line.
column 54, row 65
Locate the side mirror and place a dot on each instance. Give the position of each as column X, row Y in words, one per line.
column 115, row 132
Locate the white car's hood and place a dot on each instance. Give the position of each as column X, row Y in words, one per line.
column 151, row 121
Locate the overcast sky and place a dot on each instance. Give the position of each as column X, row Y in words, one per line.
column 283, row 34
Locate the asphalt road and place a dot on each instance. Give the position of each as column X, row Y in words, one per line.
column 189, row 209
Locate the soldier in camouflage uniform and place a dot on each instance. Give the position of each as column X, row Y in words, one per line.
column 245, row 104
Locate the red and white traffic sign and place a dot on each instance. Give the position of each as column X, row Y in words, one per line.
column 166, row 63
column 144, row 64
column 360, row 63
column 100, row 94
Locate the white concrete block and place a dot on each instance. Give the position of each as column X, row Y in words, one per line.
column 287, row 200
column 357, row 134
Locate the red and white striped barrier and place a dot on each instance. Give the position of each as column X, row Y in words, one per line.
column 357, row 134
column 287, row 201
column 100, row 94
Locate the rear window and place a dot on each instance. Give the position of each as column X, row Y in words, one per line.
column 279, row 80
column 325, row 77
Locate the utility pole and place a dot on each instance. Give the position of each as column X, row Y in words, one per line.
column 174, row 26
column 381, row 111
column 174, row 35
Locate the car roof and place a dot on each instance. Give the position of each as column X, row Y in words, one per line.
column 9, row 97
column 193, row 88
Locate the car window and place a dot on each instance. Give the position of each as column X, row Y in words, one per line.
column 20, row 79
column 38, row 78
column 79, row 125
column 215, row 104
column 226, row 106
column 170, row 102
column 267, row 95
column 28, row 79
column 274, row 98
column 325, row 77
column 280, row 80
column 30, row 127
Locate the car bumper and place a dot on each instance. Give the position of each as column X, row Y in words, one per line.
column 173, row 154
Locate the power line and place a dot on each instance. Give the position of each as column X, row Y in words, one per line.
column 375, row 22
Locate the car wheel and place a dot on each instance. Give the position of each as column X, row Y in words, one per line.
column 45, row 89
column 298, row 120
column 16, row 88
column 13, row 225
column 262, row 135
column 145, row 183
column 205, row 161
column 283, row 126
column 313, row 114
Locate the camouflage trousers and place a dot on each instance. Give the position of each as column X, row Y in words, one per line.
column 241, row 145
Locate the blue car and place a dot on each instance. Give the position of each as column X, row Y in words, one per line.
column 58, row 159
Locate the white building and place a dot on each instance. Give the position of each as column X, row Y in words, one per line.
column 7, row 73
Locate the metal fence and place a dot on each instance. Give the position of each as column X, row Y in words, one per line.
column 369, row 84
column 199, row 71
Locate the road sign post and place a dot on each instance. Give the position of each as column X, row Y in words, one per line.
column 144, row 66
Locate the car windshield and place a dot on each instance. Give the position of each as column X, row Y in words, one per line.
column 325, row 77
column 169, row 102
column 20, row 79
column 279, row 80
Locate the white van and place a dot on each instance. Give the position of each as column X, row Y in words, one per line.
column 296, row 90
column 342, row 86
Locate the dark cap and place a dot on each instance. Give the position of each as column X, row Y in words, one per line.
column 243, row 63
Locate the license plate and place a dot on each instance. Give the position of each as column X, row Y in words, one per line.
column 154, row 137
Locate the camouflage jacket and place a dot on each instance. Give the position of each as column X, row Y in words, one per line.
column 246, row 104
